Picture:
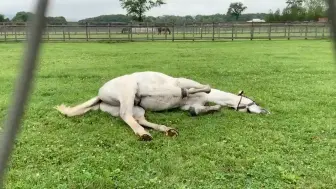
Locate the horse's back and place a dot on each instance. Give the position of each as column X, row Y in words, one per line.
column 153, row 78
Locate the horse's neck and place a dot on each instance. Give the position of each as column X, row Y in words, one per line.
column 223, row 98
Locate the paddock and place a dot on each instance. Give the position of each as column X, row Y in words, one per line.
column 292, row 147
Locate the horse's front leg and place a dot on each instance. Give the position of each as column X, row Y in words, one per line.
column 169, row 131
column 125, row 96
column 139, row 116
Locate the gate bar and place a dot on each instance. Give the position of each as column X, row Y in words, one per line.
column 23, row 85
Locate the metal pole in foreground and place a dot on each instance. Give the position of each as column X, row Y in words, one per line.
column 23, row 85
column 332, row 18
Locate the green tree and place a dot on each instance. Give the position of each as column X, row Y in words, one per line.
column 236, row 9
column 58, row 20
column 2, row 18
column 315, row 8
column 22, row 16
column 294, row 11
column 137, row 8
column 294, row 3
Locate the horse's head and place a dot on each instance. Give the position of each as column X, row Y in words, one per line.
column 246, row 104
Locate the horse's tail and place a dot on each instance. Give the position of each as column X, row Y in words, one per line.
column 92, row 104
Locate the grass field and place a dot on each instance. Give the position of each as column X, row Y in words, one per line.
column 294, row 147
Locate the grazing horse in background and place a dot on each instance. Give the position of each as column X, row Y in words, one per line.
column 129, row 96
column 165, row 29
column 126, row 30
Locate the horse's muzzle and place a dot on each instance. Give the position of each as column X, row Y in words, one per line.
column 264, row 111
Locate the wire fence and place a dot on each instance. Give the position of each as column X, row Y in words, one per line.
column 169, row 31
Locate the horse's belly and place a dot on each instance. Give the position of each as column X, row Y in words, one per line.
column 160, row 103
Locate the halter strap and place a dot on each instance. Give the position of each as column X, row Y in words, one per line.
column 237, row 108
column 245, row 106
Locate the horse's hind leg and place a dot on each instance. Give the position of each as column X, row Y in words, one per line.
column 194, row 86
column 169, row 91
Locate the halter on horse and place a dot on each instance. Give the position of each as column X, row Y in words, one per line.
column 247, row 106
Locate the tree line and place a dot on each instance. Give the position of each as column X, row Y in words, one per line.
column 172, row 19
column 22, row 17
column 299, row 10
column 296, row 10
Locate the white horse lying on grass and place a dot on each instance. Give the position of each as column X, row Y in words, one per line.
column 128, row 97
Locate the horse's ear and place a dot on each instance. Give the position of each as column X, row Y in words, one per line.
column 240, row 93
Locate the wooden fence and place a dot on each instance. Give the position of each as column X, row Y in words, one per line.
column 185, row 31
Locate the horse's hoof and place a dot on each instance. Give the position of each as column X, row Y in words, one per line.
column 192, row 111
column 172, row 132
column 208, row 90
column 146, row 137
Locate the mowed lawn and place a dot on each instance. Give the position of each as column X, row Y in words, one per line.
column 294, row 147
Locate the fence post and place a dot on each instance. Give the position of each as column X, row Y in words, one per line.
column 252, row 31
column 27, row 30
column 316, row 35
column 147, row 30
column 5, row 28
column 193, row 30
column 236, row 33
column 269, row 31
column 233, row 29
column 63, row 33
column 323, row 31
column 173, row 33
column 69, row 37
column 131, row 31
column 128, row 31
column 289, row 29
column 213, row 31
column 201, row 29
column 15, row 32
column 306, row 33
column 184, row 29
column 86, row 31
column 285, row 30
column 109, row 30
column 153, row 23
column 47, row 30
column 166, row 30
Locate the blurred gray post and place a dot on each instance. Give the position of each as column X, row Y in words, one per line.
column 332, row 18
column 23, row 85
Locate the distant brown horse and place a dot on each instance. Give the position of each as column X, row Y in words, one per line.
column 165, row 29
column 126, row 30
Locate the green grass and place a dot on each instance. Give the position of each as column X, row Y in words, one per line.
column 294, row 147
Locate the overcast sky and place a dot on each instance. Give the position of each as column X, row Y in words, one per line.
column 79, row 9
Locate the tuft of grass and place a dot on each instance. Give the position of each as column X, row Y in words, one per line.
column 293, row 147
